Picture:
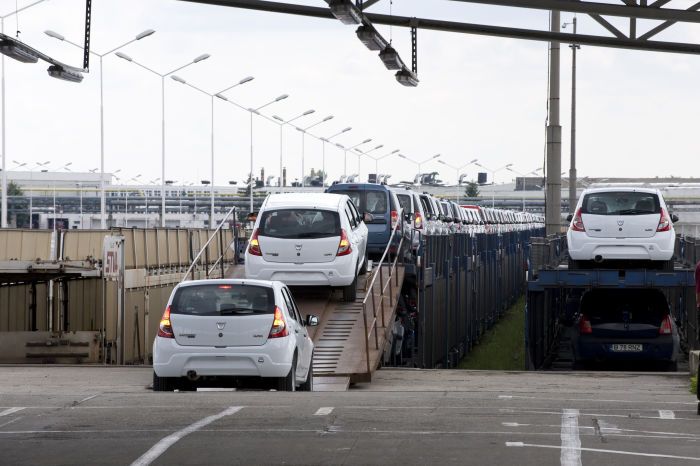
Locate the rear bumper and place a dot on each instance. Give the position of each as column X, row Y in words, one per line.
column 583, row 247
column 273, row 359
column 662, row 348
column 340, row 272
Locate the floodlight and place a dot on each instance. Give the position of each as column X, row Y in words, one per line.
column 391, row 58
column 178, row 79
column 221, row 96
column 201, row 57
column 15, row 50
column 345, row 11
column 407, row 77
column 145, row 34
column 309, row 112
column 246, row 80
column 371, row 38
column 59, row 72
column 54, row 34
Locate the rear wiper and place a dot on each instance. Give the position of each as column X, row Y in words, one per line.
column 634, row 211
column 231, row 310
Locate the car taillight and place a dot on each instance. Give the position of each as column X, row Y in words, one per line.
column 394, row 219
column 666, row 328
column 344, row 247
column 584, row 325
column 165, row 329
column 254, row 245
column 418, row 221
column 279, row 326
column 577, row 222
column 664, row 222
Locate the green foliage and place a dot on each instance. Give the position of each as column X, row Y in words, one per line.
column 694, row 385
column 472, row 189
column 13, row 189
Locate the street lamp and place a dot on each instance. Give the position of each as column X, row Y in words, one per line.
column 162, row 97
column 135, row 179
column 211, row 96
column 359, row 158
column 493, row 179
column 533, row 173
column 3, row 193
column 377, row 159
column 143, row 35
column 346, row 149
column 285, row 122
column 572, row 167
column 420, row 163
column 459, row 175
column 324, row 141
column 303, row 135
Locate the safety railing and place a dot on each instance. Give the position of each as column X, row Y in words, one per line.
column 373, row 304
column 219, row 260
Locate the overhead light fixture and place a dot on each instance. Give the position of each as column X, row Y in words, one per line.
column 19, row 53
column 407, row 77
column 345, row 11
column 59, row 72
column 371, row 38
column 391, row 58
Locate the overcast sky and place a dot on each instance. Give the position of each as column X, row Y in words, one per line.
column 479, row 97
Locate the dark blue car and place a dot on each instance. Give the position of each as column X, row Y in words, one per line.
column 375, row 199
column 626, row 325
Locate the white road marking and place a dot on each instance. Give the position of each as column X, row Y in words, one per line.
column 215, row 389
column 160, row 447
column 570, row 439
column 10, row 411
column 324, row 411
column 87, row 398
column 666, row 414
column 549, row 400
column 505, row 397
column 600, row 450
column 513, row 424
column 11, row 421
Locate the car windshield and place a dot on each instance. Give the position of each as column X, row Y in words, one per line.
column 299, row 223
column 625, row 306
column 223, row 299
column 621, row 203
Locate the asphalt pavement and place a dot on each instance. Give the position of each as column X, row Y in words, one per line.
column 94, row 415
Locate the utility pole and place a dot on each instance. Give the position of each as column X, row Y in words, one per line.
column 572, row 168
column 553, row 203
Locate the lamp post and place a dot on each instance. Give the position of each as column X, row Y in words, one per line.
column 377, row 159
column 324, row 141
column 162, row 97
column 303, row 135
column 345, row 156
column 493, row 179
column 143, row 35
column 286, row 122
column 211, row 96
column 436, row 156
column 3, row 194
column 126, row 205
column 572, row 167
column 359, row 158
column 459, row 175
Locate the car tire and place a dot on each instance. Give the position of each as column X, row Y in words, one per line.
column 289, row 382
column 308, row 385
column 365, row 265
column 165, row 384
column 350, row 291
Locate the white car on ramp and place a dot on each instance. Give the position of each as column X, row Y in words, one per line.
column 233, row 328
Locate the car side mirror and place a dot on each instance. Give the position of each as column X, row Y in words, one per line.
column 674, row 218
column 408, row 217
column 569, row 217
column 312, row 320
column 367, row 217
column 252, row 217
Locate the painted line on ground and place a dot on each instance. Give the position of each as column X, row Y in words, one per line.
column 167, row 442
column 325, row 411
column 568, row 400
column 600, row 450
column 9, row 411
column 11, row 421
column 666, row 414
column 570, row 439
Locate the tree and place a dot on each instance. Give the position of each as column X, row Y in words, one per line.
column 472, row 189
column 21, row 218
column 13, row 189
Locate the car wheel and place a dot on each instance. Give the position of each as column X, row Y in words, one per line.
column 365, row 264
column 289, row 383
column 350, row 292
column 165, row 384
column 308, row 386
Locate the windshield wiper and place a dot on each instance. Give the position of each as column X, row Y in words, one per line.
column 239, row 310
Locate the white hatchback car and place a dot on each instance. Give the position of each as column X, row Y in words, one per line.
column 621, row 224
column 233, row 327
column 309, row 239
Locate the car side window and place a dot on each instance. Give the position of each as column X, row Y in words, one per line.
column 351, row 216
column 288, row 302
column 355, row 212
column 300, row 318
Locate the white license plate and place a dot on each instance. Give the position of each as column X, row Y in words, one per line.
column 626, row 348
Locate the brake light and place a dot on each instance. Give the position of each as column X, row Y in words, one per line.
column 279, row 326
column 165, row 329
column 418, row 221
column 666, row 327
column 664, row 222
column 254, row 245
column 577, row 222
column 394, row 219
column 584, row 325
column 344, row 247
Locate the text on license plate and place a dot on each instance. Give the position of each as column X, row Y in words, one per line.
column 626, row 347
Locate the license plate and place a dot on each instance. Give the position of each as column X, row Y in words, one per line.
column 626, row 348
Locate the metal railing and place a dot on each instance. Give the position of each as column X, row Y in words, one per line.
column 206, row 245
column 392, row 280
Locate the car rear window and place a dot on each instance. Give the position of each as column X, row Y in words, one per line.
column 405, row 202
column 610, row 306
column 223, row 299
column 621, row 203
column 299, row 223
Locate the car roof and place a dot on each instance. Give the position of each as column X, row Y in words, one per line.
column 230, row 281
column 621, row 189
column 331, row 201
column 358, row 186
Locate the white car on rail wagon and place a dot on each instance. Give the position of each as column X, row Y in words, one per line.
column 309, row 239
column 233, row 328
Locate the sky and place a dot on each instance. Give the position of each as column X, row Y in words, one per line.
column 479, row 97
